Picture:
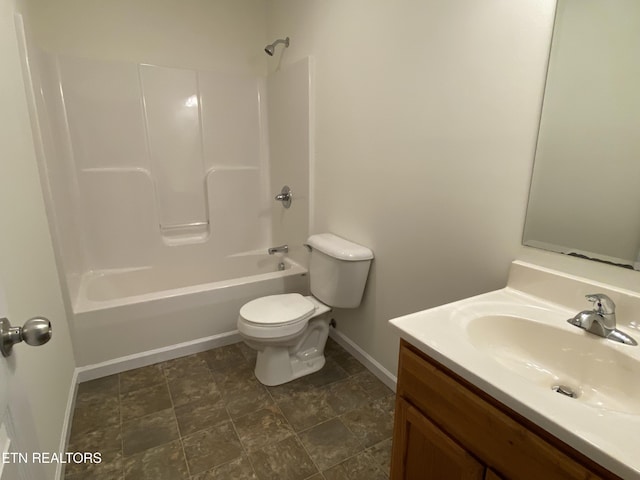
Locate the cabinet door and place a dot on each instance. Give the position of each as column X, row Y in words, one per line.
column 422, row 451
column 491, row 475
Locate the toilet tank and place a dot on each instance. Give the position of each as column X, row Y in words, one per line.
column 338, row 270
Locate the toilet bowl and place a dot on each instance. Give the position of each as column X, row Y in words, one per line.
column 289, row 331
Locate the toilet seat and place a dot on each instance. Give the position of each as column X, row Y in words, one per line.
column 277, row 309
column 275, row 316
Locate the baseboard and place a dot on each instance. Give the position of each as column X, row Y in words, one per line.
column 66, row 424
column 143, row 359
column 384, row 375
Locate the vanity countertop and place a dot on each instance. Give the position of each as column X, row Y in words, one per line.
column 516, row 345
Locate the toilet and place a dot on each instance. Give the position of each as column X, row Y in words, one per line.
column 289, row 331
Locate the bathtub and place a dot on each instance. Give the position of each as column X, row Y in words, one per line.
column 128, row 312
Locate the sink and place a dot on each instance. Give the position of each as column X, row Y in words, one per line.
column 598, row 371
column 515, row 345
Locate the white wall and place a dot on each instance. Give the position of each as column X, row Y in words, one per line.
column 585, row 196
column 426, row 122
column 26, row 255
column 227, row 35
column 289, row 113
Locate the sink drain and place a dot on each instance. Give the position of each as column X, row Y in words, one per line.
column 565, row 390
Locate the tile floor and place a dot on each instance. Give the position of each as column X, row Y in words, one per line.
column 206, row 417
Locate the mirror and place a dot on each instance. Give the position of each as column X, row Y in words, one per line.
column 585, row 192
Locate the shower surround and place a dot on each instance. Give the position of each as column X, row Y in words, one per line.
column 160, row 194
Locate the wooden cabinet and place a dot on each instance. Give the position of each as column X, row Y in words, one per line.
column 447, row 429
column 428, row 452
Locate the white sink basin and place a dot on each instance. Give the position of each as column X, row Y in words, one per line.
column 595, row 369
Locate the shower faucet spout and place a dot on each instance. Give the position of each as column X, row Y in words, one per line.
column 281, row 248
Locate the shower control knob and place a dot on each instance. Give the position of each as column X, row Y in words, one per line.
column 36, row 331
column 285, row 196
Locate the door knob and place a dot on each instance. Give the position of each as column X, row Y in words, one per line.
column 36, row 331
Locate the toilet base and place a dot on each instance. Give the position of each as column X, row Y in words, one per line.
column 277, row 364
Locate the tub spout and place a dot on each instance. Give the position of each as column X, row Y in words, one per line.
column 281, row 248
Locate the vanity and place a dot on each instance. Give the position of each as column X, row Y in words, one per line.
column 502, row 386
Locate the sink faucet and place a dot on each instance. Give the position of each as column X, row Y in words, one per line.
column 281, row 248
column 601, row 320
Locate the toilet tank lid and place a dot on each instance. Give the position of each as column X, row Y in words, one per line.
column 339, row 248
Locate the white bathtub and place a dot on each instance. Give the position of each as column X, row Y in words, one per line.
column 120, row 313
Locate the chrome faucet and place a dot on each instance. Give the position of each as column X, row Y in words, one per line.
column 601, row 320
column 281, row 248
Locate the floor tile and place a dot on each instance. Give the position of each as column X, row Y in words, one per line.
column 330, row 443
column 370, row 383
column 246, row 398
column 259, row 428
column 346, row 395
column 95, row 417
column 185, row 367
column 373, row 422
column 381, row 454
column 349, row 364
column 148, row 432
column 358, row 467
column 206, row 415
column 96, row 476
column 107, row 441
column 201, row 414
column 306, row 407
column 331, row 372
column 97, row 391
column 249, row 353
column 141, row 378
column 165, row 462
column 209, row 448
column 142, row 402
column 190, row 388
column 237, row 469
column 285, row 460
column 224, row 358
column 334, row 348
column 233, row 377
column 284, row 391
column 109, row 466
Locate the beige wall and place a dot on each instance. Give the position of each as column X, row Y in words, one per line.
column 223, row 35
column 426, row 118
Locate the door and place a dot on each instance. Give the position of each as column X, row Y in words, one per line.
column 17, row 425
column 35, row 383
column 14, row 443
column 421, row 450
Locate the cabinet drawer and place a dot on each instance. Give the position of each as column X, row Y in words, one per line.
column 489, row 432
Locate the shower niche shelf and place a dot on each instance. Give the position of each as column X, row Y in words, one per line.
column 175, row 235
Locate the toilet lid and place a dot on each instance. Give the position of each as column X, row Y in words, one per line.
column 277, row 309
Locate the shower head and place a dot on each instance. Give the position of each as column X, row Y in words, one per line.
column 270, row 49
